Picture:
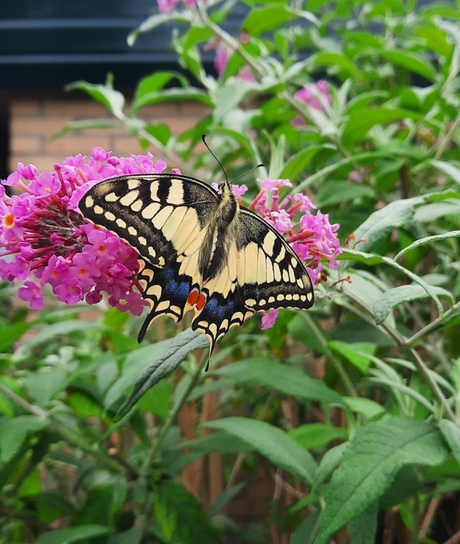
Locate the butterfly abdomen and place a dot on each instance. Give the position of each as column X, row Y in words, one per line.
column 215, row 250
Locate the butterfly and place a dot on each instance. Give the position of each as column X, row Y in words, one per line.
column 198, row 249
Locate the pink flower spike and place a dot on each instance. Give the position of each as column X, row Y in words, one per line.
column 47, row 240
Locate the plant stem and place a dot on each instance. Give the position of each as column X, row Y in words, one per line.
column 242, row 456
column 428, row 329
column 433, row 385
column 335, row 360
column 233, row 44
column 172, row 415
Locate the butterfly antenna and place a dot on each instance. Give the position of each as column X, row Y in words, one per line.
column 261, row 165
column 216, row 159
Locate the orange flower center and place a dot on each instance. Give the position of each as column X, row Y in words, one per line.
column 8, row 220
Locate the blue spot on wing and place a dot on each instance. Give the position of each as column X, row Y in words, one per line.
column 174, row 289
column 218, row 308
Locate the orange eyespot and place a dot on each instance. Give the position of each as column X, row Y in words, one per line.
column 197, row 299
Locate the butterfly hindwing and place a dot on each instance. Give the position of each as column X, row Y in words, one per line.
column 166, row 292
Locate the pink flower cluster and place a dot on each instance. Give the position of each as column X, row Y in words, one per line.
column 44, row 240
column 166, row 6
column 315, row 96
column 310, row 94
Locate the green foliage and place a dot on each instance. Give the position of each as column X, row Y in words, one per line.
column 90, row 452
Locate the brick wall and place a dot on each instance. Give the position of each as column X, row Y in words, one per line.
column 34, row 119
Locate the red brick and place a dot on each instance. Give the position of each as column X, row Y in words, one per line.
column 26, row 144
column 75, row 109
column 71, row 144
column 160, row 111
column 36, row 125
column 191, row 108
column 21, row 108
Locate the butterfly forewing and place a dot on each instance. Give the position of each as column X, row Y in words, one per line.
column 159, row 215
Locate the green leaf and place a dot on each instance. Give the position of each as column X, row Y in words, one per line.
column 63, row 328
column 361, row 121
column 74, row 534
column 134, row 364
column 451, row 433
column 435, row 40
column 351, row 352
column 447, row 168
column 304, row 329
column 428, row 240
column 160, row 132
column 219, row 441
column 381, row 223
column 328, row 464
column 229, row 95
column 83, row 404
column 12, row 333
column 364, row 526
column 224, row 498
column 272, row 443
column 14, row 431
column 432, row 212
column 45, row 384
column 295, row 165
column 272, row 17
column 366, row 407
column 156, row 400
column 370, row 462
column 411, row 62
column 315, row 435
column 336, row 192
column 156, row 81
column 113, row 100
column 247, row 143
column 155, row 21
column 283, row 378
column 173, row 353
column 181, row 517
column 337, row 60
column 365, row 288
column 131, row 536
column 169, row 95
column 402, row 294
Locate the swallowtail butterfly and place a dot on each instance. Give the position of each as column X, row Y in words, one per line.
column 198, row 249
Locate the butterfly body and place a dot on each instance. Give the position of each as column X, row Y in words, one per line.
column 199, row 250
